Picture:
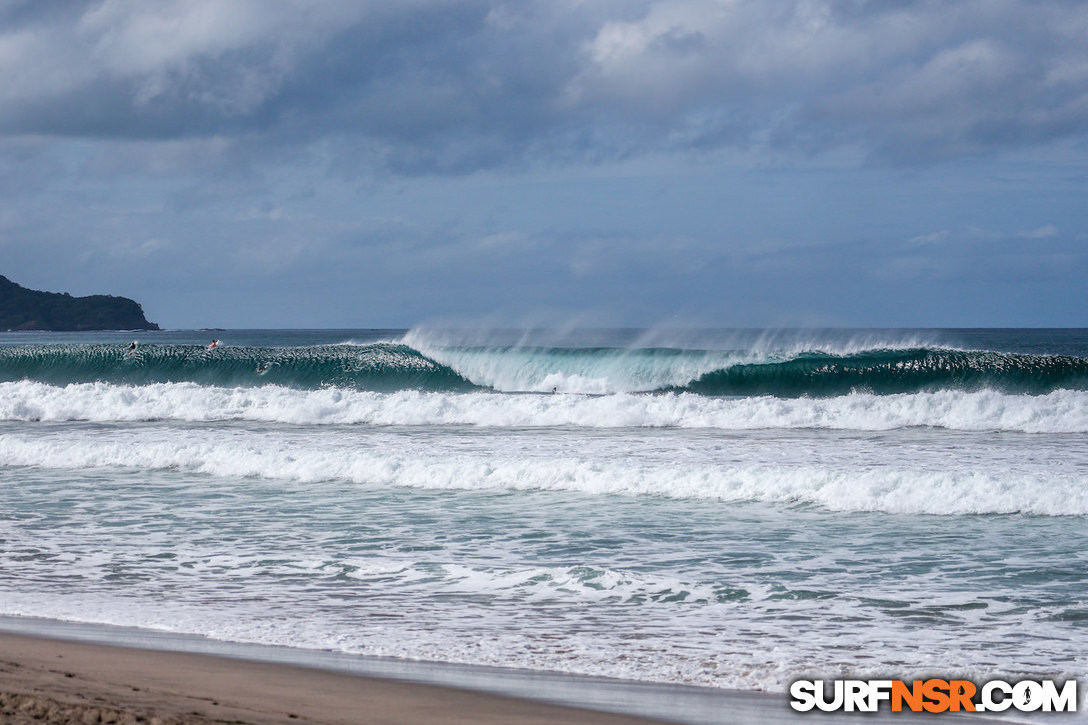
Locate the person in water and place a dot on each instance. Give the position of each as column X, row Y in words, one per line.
column 215, row 344
column 132, row 347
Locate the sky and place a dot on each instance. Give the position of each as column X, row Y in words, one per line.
column 675, row 163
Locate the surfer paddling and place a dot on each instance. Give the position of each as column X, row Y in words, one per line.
column 215, row 344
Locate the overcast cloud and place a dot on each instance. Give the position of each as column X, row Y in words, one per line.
column 733, row 162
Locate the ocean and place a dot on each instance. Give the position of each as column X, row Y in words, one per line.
column 726, row 508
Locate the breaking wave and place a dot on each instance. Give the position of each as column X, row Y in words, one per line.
column 1062, row 411
column 897, row 371
column 388, row 367
column 378, row 366
column 885, row 488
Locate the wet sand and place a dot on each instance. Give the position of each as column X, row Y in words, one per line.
column 57, row 681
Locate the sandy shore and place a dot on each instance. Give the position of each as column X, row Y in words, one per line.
column 45, row 679
column 56, row 681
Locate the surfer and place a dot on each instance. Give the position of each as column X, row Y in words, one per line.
column 132, row 347
column 215, row 344
column 262, row 368
column 555, row 390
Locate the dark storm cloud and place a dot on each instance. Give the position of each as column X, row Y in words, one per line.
column 439, row 85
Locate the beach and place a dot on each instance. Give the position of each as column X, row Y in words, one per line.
column 57, row 681
column 64, row 681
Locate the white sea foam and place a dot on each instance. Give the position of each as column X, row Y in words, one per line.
column 728, row 473
column 1062, row 411
column 589, row 620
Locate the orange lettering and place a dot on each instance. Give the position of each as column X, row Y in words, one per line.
column 912, row 696
column 936, row 692
column 961, row 692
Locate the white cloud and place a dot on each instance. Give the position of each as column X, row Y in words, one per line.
column 931, row 239
column 1043, row 232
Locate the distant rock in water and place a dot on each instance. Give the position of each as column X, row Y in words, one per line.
column 26, row 309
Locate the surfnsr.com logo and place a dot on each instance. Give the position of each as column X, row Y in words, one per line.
column 934, row 696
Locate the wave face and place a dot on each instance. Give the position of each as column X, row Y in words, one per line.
column 378, row 366
column 897, row 371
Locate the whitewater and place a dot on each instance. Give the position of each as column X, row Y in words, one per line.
column 717, row 507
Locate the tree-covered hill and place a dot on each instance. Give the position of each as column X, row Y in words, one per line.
column 26, row 309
